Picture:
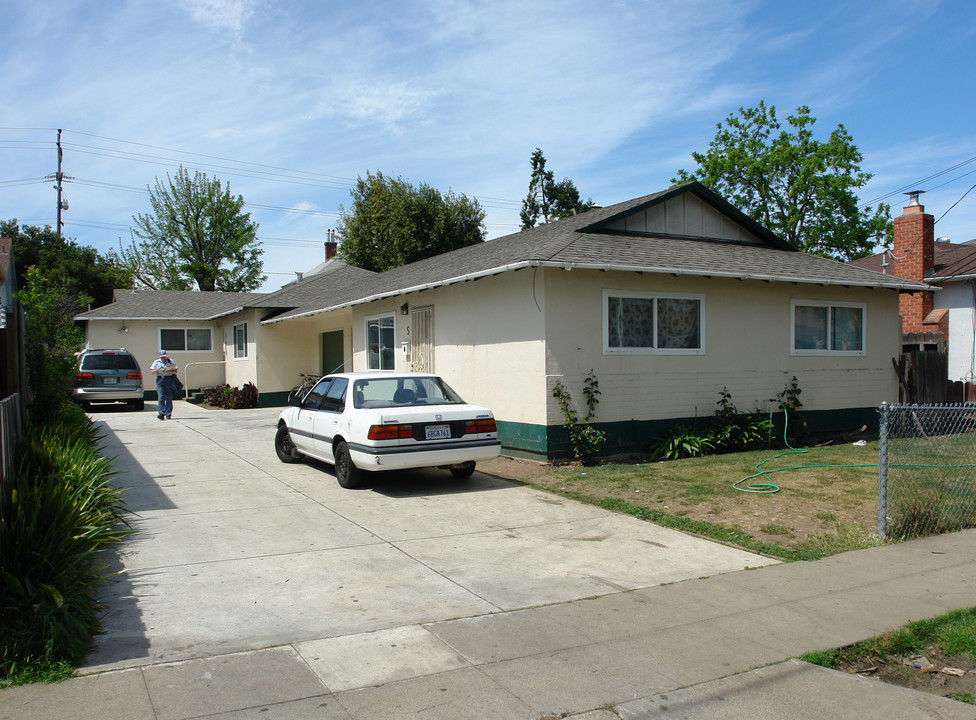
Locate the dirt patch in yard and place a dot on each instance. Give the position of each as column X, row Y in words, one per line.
column 930, row 672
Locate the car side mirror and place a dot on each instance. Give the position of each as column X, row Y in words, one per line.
column 294, row 401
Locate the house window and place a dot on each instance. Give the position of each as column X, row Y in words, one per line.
column 240, row 340
column 379, row 343
column 820, row 328
column 636, row 323
column 185, row 339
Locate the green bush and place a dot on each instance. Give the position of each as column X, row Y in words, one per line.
column 231, row 398
column 587, row 441
column 680, row 441
column 59, row 511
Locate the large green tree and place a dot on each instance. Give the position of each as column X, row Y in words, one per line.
column 197, row 233
column 796, row 185
column 78, row 270
column 392, row 223
column 547, row 199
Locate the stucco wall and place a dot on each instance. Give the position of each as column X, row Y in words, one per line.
column 287, row 349
column 488, row 341
column 240, row 371
column 142, row 339
column 747, row 349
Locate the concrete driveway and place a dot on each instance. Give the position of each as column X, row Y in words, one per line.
column 236, row 551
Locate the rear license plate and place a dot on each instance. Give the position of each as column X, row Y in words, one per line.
column 438, row 432
column 110, row 381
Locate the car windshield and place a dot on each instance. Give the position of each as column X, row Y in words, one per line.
column 399, row 391
column 109, row 362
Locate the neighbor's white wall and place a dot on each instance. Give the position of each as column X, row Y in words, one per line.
column 960, row 299
column 747, row 349
column 487, row 341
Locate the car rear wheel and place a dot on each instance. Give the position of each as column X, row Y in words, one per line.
column 463, row 471
column 285, row 448
column 348, row 475
column 139, row 405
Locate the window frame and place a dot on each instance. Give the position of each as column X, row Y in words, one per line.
column 830, row 305
column 242, row 355
column 391, row 316
column 184, row 329
column 655, row 296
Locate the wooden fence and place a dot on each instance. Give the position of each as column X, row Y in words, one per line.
column 10, row 430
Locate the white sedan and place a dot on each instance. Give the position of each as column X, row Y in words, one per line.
column 373, row 421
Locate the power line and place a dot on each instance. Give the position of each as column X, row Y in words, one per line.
column 916, row 184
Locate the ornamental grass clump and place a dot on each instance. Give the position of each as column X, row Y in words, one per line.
column 59, row 511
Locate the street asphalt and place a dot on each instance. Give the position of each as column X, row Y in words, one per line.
column 255, row 589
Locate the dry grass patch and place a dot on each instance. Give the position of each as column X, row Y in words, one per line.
column 827, row 504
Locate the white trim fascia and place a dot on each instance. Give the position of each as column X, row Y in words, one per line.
column 950, row 278
column 910, row 285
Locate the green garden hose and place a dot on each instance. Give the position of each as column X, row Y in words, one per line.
column 769, row 487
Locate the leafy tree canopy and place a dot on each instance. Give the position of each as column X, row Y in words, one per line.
column 547, row 199
column 197, row 233
column 797, row 186
column 392, row 223
column 77, row 270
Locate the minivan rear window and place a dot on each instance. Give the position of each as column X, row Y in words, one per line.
column 109, row 362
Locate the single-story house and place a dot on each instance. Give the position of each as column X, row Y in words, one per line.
column 945, row 320
column 667, row 299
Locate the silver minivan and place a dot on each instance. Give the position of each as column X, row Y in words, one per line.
column 108, row 376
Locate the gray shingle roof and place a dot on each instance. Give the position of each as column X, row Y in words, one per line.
column 172, row 305
column 951, row 261
column 583, row 241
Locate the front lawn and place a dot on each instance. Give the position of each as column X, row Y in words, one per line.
column 826, row 506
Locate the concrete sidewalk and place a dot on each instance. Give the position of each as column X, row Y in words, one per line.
column 688, row 649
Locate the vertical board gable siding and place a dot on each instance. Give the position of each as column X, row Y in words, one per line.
column 685, row 214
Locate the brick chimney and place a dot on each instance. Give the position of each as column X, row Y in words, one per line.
column 913, row 253
column 330, row 245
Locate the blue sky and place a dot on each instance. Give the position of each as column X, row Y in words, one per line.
column 291, row 101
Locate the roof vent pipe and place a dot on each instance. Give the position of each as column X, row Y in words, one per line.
column 299, row 276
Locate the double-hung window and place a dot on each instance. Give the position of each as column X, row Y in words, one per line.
column 826, row 328
column 240, row 340
column 380, row 351
column 653, row 323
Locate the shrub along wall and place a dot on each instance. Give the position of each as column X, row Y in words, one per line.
column 59, row 510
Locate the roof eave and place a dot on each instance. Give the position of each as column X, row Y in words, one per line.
column 902, row 285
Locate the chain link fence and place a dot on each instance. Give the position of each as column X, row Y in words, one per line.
column 927, row 469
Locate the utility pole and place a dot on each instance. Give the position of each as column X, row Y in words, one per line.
column 59, row 177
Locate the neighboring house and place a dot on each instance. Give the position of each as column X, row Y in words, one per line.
column 668, row 299
column 191, row 326
column 945, row 320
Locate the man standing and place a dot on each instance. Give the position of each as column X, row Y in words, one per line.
column 165, row 371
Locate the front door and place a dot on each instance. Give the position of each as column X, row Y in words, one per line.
column 332, row 352
column 422, row 339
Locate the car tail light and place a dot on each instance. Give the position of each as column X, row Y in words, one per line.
column 390, row 432
column 84, row 376
column 486, row 425
column 133, row 376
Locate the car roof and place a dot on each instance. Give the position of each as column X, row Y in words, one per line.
column 105, row 350
column 381, row 375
